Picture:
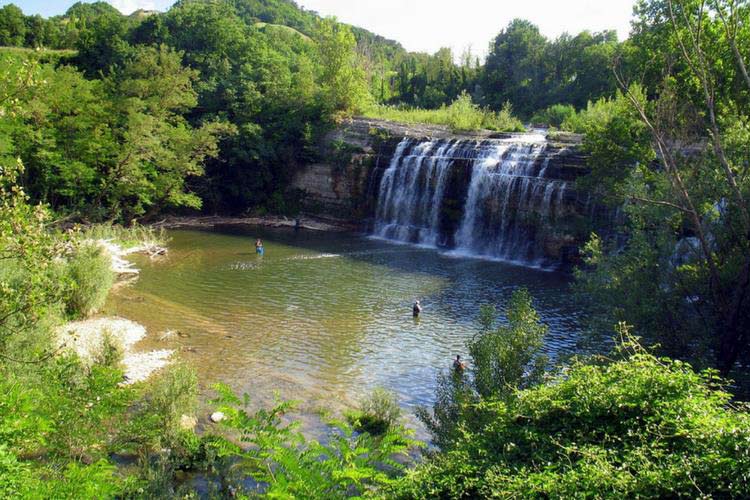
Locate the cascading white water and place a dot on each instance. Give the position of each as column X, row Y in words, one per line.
column 509, row 201
column 411, row 192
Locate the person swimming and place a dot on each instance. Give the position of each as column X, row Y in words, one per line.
column 416, row 309
column 259, row 247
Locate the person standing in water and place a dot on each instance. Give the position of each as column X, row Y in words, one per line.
column 416, row 309
column 458, row 365
column 259, row 247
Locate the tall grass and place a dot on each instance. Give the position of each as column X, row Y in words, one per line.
column 90, row 277
column 462, row 115
column 67, row 53
column 126, row 237
column 378, row 413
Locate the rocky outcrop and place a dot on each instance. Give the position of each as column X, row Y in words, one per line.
column 346, row 181
column 343, row 182
column 353, row 156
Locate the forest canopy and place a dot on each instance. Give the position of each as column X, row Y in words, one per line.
column 267, row 79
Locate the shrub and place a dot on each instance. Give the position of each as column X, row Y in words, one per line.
column 377, row 413
column 616, row 140
column 110, row 352
column 503, row 120
column 638, row 427
column 503, row 360
column 13, row 474
column 554, row 115
column 508, row 357
column 168, row 395
column 89, row 271
column 277, row 456
column 461, row 115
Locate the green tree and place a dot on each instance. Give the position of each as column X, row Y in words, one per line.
column 641, row 426
column 617, row 142
column 689, row 219
column 342, row 80
column 513, row 70
column 12, row 26
column 504, row 359
column 100, row 41
column 160, row 150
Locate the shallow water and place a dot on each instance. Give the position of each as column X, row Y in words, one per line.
column 323, row 318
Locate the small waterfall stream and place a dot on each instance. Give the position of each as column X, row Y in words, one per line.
column 490, row 198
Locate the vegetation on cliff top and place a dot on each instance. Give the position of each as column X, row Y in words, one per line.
column 460, row 116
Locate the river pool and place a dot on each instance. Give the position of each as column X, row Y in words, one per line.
column 323, row 318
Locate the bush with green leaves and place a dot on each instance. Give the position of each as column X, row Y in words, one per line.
column 169, row 395
column 60, row 419
column 504, row 358
column 377, row 413
column 616, row 142
column 555, row 115
column 90, row 277
column 110, row 351
column 637, row 427
column 283, row 464
column 461, row 115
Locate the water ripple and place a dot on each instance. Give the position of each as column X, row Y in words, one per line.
column 324, row 318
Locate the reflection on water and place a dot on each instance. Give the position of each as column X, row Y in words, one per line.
column 324, row 318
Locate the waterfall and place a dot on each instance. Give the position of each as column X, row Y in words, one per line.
column 411, row 192
column 490, row 198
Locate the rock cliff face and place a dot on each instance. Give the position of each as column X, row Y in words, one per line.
column 507, row 196
column 343, row 183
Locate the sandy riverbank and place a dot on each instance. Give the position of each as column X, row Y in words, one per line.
column 88, row 337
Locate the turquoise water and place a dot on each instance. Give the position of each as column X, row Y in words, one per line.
column 322, row 317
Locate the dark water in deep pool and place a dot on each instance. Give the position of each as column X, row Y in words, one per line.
column 323, row 318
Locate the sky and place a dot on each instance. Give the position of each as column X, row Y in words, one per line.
column 427, row 25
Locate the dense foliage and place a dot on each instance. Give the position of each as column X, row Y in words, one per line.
column 267, row 80
column 460, row 116
column 283, row 464
column 504, row 359
column 63, row 418
column 674, row 157
column 118, row 147
column 637, row 427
